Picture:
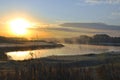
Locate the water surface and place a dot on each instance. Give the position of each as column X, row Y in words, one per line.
column 69, row 49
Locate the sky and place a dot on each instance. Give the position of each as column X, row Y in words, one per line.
column 52, row 13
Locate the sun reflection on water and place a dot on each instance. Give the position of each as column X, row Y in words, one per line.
column 19, row 55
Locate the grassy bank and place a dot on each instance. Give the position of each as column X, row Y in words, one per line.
column 105, row 66
column 30, row 47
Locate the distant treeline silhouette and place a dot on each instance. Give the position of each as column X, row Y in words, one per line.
column 98, row 39
column 11, row 39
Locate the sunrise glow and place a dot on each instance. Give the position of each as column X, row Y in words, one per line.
column 19, row 26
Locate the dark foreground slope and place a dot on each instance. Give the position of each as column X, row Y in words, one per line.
column 104, row 66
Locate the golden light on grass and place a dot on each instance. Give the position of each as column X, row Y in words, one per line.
column 19, row 26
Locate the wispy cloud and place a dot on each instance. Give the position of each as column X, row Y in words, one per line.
column 92, row 1
column 100, row 26
column 114, row 16
column 81, row 28
column 116, row 13
column 103, row 1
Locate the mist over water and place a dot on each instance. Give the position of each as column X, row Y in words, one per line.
column 69, row 49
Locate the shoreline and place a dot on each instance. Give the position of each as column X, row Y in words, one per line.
column 87, row 60
column 30, row 47
column 24, row 47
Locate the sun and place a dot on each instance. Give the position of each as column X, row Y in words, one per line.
column 19, row 26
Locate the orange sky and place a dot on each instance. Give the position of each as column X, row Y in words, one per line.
column 42, row 29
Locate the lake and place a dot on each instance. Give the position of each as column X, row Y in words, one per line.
column 69, row 49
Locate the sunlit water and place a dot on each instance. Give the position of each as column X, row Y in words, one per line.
column 69, row 49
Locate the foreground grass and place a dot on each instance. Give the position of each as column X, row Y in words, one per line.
column 104, row 66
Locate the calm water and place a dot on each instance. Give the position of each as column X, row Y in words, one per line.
column 69, row 49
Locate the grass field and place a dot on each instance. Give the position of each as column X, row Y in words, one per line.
column 104, row 66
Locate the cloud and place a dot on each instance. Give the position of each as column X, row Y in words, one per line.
column 80, row 28
column 64, row 29
column 86, row 28
column 116, row 13
column 114, row 16
column 55, row 29
column 103, row 1
column 100, row 26
column 92, row 1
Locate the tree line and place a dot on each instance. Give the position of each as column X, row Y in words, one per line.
column 99, row 39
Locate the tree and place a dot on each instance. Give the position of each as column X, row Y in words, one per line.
column 101, row 38
column 84, row 39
